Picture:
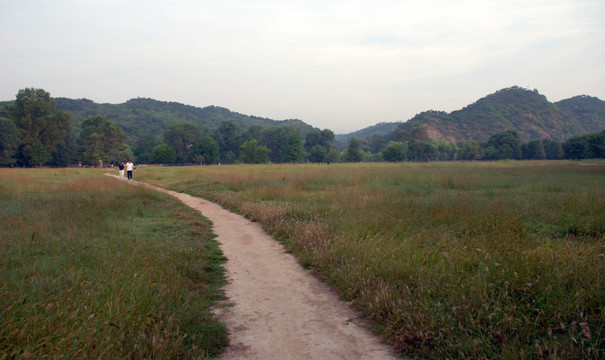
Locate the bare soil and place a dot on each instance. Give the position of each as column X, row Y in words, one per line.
column 275, row 309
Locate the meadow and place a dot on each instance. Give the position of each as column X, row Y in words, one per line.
column 91, row 267
column 473, row 260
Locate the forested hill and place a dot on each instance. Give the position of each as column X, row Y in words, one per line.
column 527, row 112
column 142, row 116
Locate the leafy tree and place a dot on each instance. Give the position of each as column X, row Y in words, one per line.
column 66, row 153
column 253, row 153
column 163, row 154
column 227, row 137
column 353, row 152
column 369, row 157
column 332, row 156
column 284, row 143
column 327, row 138
column 490, row 153
column 144, row 147
column 38, row 154
column 505, row 152
column 596, row 145
column 229, row 158
column 576, row 148
column 312, row 139
column 295, row 151
column 9, row 141
column 534, row 150
column 375, row 143
column 181, row 138
column 373, row 157
column 507, row 145
column 39, row 123
column 252, row 132
column 446, row 151
column 419, row 150
column 317, row 154
column 585, row 147
column 395, row 151
column 275, row 140
column 553, row 149
column 208, row 149
column 100, row 139
column 537, row 149
column 323, row 138
column 127, row 154
column 471, row 150
column 198, row 159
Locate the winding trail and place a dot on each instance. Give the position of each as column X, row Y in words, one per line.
column 275, row 308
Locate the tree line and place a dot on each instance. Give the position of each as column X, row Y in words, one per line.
column 504, row 145
column 35, row 133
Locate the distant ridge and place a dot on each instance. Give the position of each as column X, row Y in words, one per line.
column 527, row 112
column 142, row 116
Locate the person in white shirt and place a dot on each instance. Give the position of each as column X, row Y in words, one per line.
column 129, row 169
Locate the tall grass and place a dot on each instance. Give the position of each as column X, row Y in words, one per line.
column 93, row 268
column 448, row 260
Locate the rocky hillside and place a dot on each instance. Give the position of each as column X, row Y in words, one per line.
column 525, row 111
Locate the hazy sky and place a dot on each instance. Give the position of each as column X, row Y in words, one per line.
column 342, row 65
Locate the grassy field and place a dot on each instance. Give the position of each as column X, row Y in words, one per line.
column 91, row 267
column 447, row 260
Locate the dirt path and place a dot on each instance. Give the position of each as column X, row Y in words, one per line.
column 275, row 308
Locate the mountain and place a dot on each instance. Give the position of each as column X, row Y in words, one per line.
column 142, row 116
column 527, row 112
column 588, row 110
column 383, row 128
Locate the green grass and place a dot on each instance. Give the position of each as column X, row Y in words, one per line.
column 91, row 267
column 447, row 260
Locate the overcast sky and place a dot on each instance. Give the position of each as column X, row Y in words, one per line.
column 342, row 65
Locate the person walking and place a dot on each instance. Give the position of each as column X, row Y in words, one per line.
column 121, row 169
column 129, row 169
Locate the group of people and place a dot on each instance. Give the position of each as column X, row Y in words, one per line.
column 129, row 169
